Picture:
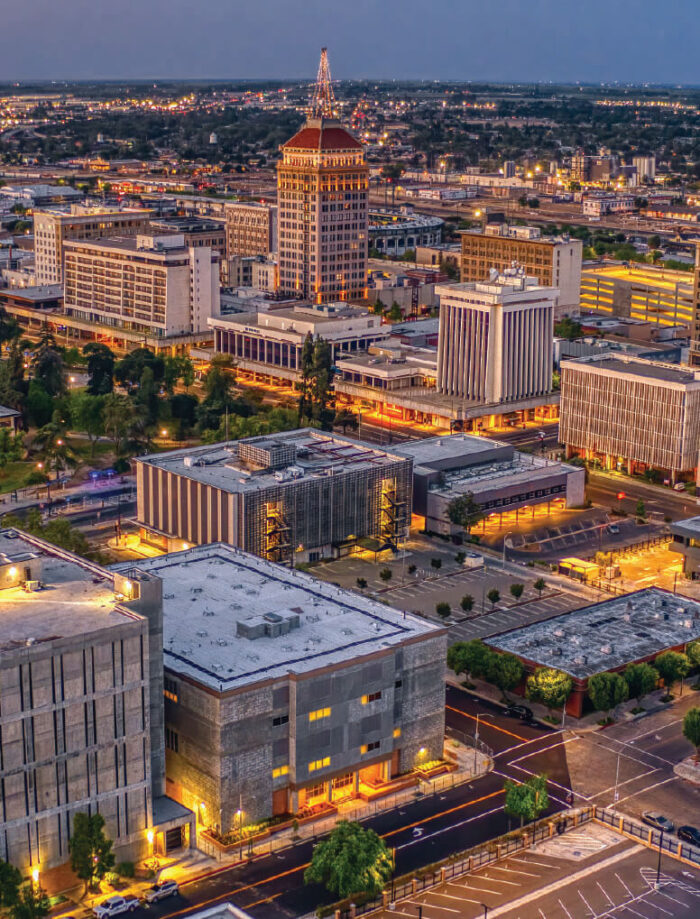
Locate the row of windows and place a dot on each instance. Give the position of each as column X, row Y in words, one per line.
column 317, row 764
column 319, row 714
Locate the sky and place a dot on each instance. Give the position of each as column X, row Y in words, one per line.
column 496, row 40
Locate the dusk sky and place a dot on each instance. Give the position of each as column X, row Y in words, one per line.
column 501, row 40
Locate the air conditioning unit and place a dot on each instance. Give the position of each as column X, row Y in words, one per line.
column 31, row 586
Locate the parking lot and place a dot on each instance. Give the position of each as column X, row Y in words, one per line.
column 588, row 873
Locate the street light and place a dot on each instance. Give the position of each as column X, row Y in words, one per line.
column 658, row 864
column 476, row 732
column 486, row 910
column 505, row 541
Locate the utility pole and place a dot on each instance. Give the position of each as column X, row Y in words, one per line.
column 658, row 864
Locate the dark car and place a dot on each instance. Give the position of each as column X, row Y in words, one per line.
column 689, row 834
column 658, row 821
column 515, row 710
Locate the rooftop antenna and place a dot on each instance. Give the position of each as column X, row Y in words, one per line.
column 323, row 100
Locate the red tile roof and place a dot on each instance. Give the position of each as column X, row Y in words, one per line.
column 324, row 138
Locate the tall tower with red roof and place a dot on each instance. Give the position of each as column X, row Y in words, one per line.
column 323, row 201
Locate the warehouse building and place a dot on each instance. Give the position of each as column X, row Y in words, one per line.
column 286, row 695
column 81, row 722
column 605, row 637
column 291, row 497
column 500, row 479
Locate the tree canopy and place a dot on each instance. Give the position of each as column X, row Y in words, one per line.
column 351, row 860
column 91, row 855
column 526, row 800
column 607, row 690
column 549, row 686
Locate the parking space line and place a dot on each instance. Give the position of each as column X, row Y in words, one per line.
column 483, row 890
column 556, row 863
column 528, row 874
column 445, row 909
column 502, row 881
column 603, row 891
column 623, row 884
column 587, row 904
column 565, row 910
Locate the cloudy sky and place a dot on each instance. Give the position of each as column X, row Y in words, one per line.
column 501, row 40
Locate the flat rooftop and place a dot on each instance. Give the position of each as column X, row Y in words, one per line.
column 667, row 278
column 606, row 635
column 306, row 454
column 650, row 370
column 456, row 446
column 523, row 469
column 212, row 593
column 74, row 599
column 690, row 526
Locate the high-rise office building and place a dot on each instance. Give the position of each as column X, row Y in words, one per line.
column 695, row 324
column 323, row 196
column 554, row 261
column 251, row 228
column 53, row 228
column 495, row 341
column 153, row 284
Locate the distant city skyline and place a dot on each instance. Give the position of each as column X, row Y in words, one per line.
column 509, row 41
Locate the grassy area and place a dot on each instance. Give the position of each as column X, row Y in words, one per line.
column 14, row 475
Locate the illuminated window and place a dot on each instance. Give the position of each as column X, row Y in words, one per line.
column 319, row 713
column 372, row 697
column 397, row 732
column 368, row 747
column 170, row 689
column 280, row 770
column 319, row 764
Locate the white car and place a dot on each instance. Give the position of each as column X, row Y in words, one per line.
column 161, row 891
column 115, row 906
column 473, row 560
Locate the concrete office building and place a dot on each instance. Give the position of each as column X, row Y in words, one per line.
column 500, row 479
column 81, row 724
column 323, row 195
column 694, row 357
column 605, row 637
column 554, row 261
column 53, row 228
column 290, row 497
column 495, row 343
column 283, row 692
column 632, row 413
column 657, row 295
column 251, row 228
column 151, row 284
column 268, row 343
column 197, row 232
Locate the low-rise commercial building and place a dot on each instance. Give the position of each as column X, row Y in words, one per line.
column 283, row 693
column 554, row 261
column 499, row 478
column 290, row 497
column 53, row 228
column 81, row 723
column 657, row 295
column 196, row 231
column 633, row 413
column 605, row 637
column 686, row 541
column 269, row 343
column 150, row 284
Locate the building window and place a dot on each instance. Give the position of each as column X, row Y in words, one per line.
column 368, row 747
column 397, row 733
column 319, row 713
column 170, row 689
column 172, row 741
column 279, row 771
column 398, row 684
column 280, row 719
column 319, row 764
column 372, row 697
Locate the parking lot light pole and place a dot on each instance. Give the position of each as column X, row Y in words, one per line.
column 476, row 733
column 658, row 864
column 486, row 911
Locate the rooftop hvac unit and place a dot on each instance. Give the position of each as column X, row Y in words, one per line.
column 31, row 586
column 607, row 649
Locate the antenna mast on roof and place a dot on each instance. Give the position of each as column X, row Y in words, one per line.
column 323, row 101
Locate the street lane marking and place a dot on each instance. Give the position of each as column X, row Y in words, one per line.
column 452, row 826
column 444, row 813
column 494, row 727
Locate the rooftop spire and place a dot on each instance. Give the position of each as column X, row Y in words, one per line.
column 323, row 101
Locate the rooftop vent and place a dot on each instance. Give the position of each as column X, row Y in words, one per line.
column 271, row 625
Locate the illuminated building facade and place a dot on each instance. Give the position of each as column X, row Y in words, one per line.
column 323, row 197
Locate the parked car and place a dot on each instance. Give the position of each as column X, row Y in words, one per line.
column 515, row 710
column 689, row 834
column 658, row 821
column 473, row 560
column 161, row 891
column 613, row 528
column 115, row 906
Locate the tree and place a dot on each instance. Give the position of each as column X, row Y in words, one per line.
column 654, row 241
column 345, row 419
column 527, row 799
column 549, row 686
column 472, row 658
column 640, row 510
column 87, row 415
column 641, row 679
column 693, row 653
column 317, row 399
column 436, row 563
column 183, row 410
column 494, row 596
column 119, row 418
column 361, row 583
column 673, row 666
column 464, row 512
column 516, row 590
column 606, row 691
column 11, row 447
column 506, row 672
column 395, row 312
column 352, row 860
column 540, row 585
column 568, row 328
column 691, row 729
column 47, row 367
column 443, row 609
column 177, row 368
column 129, row 370
column 217, row 393
column 39, row 404
column 386, row 574
column 32, row 903
column 467, row 603
column 91, row 854
column 10, row 881
column 100, row 368
column 56, row 451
